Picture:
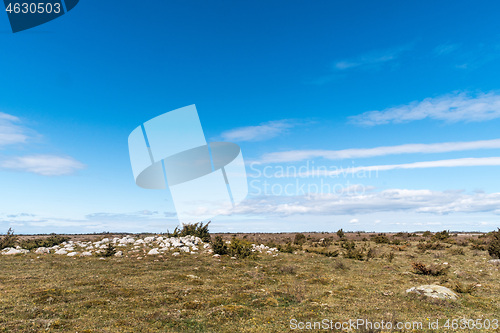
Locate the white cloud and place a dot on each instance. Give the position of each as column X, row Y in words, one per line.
column 354, row 221
column 371, row 59
column 459, row 162
column 391, row 200
column 445, row 49
column 46, row 165
column 260, row 132
column 300, row 155
column 455, row 107
column 10, row 131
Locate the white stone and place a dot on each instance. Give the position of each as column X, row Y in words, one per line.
column 72, row 254
column 175, row 254
column 61, row 251
column 153, row 252
column 119, row 254
column 12, row 251
column 433, row 290
column 42, row 250
column 86, row 254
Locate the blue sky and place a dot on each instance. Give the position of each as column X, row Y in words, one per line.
column 334, row 84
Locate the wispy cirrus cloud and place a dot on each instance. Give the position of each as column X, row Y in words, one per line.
column 10, row 130
column 45, row 165
column 372, row 59
column 451, row 163
column 264, row 131
column 445, row 49
column 301, row 155
column 13, row 132
column 456, row 107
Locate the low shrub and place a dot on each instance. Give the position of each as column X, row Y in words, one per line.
column 109, row 251
column 9, row 240
column 196, row 229
column 299, row 239
column 457, row 251
column 341, row 234
column 430, row 245
column 324, row 252
column 240, row 248
column 288, row 248
column 494, row 244
column 50, row 241
column 218, row 246
column 380, row 239
column 479, row 244
column 371, row 253
column 433, row 270
column 463, row 288
column 351, row 251
column 442, row 235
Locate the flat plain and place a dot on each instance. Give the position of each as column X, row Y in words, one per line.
column 315, row 277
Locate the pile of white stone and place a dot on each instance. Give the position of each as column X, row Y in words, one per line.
column 153, row 245
column 12, row 250
column 265, row 249
column 130, row 245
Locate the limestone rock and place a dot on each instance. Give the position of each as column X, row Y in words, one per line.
column 153, row 252
column 433, row 290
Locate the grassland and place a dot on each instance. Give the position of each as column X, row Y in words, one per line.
column 262, row 293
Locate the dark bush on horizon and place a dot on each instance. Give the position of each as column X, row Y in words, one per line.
column 442, row 235
column 300, row 239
